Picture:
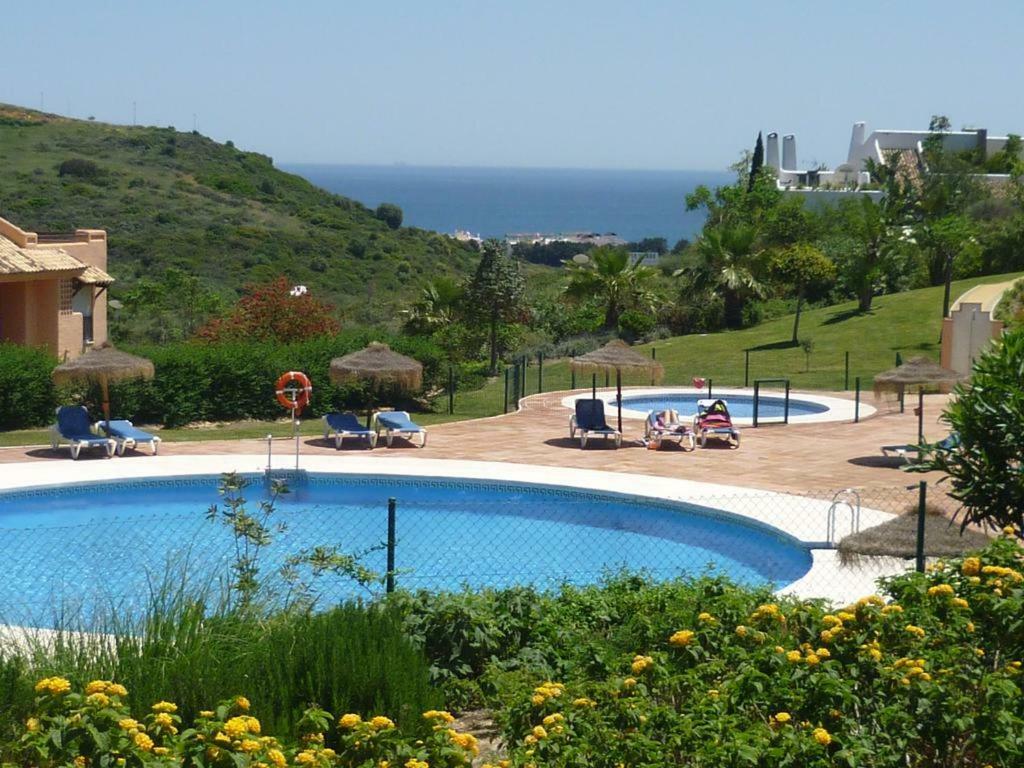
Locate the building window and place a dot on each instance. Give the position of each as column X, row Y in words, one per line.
column 67, row 293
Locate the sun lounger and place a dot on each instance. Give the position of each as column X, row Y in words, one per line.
column 347, row 425
column 73, row 426
column 589, row 420
column 665, row 425
column 127, row 435
column 949, row 443
column 713, row 420
column 398, row 423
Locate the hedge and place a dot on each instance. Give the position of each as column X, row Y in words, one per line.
column 199, row 381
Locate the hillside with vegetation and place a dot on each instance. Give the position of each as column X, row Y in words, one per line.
column 178, row 200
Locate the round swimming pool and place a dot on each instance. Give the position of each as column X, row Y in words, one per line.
column 804, row 407
column 74, row 549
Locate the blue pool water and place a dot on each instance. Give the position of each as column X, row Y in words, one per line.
column 740, row 406
column 110, row 544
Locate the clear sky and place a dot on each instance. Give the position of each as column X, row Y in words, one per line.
column 588, row 83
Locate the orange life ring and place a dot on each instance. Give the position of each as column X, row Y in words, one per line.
column 302, row 392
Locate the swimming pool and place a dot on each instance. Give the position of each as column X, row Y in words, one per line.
column 804, row 407
column 74, row 548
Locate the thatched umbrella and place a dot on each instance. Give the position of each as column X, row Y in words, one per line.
column 617, row 355
column 921, row 372
column 897, row 537
column 377, row 364
column 103, row 365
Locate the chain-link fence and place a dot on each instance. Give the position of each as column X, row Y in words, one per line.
column 65, row 561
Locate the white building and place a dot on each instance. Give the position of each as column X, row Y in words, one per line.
column 882, row 146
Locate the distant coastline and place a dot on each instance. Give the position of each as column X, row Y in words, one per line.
column 494, row 202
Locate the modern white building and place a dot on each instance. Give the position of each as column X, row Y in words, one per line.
column 883, row 146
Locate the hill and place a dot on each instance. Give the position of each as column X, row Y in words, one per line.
column 173, row 199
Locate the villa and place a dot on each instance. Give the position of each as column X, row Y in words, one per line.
column 53, row 289
column 883, row 146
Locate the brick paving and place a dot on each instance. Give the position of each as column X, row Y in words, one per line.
column 796, row 458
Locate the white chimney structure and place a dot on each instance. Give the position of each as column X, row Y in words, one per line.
column 771, row 151
column 789, row 152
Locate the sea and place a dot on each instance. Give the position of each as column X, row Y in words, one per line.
column 495, row 202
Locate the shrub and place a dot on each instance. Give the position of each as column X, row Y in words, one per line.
column 79, row 168
column 27, row 395
column 390, row 214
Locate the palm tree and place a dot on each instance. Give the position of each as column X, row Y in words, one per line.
column 726, row 264
column 436, row 308
column 619, row 282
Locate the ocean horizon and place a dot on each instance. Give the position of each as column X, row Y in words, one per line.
column 494, row 202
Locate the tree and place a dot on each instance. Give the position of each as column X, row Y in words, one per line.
column 864, row 221
column 939, row 124
column 272, row 312
column 802, row 266
column 620, row 283
column 390, row 214
column 727, row 263
column 945, row 240
column 988, row 416
column 169, row 308
column 495, row 293
column 756, row 162
column 437, row 307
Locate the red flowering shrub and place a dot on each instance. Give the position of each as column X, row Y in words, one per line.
column 270, row 312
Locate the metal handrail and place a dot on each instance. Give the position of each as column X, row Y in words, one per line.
column 841, row 499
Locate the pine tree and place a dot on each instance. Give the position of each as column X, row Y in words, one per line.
column 756, row 162
column 496, row 291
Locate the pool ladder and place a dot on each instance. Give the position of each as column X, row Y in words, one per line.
column 848, row 499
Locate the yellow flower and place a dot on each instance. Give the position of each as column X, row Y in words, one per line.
column 641, row 663
column 941, row 590
column 32, row 725
column 537, row 699
column 161, row 751
column 741, row 630
column 793, row 656
column 584, row 702
column 164, row 706
column 116, row 689
column 249, row 745
column 381, row 723
column 812, row 659
column 98, row 700
column 438, row 714
column 846, row 616
column 349, row 721
column 783, row 717
column 959, row 602
column 824, row 653
column 681, row 638
column 54, row 686
column 831, row 621
column 164, row 720
column 714, row 693
column 96, row 686
column 980, row 653
column 242, row 703
column 629, row 682
column 412, row 762
column 875, row 654
column 143, row 742
column 465, row 740
column 913, row 630
column 236, row 727
column 128, row 724
column 892, row 608
column 305, row 757
column 276, row 756
column 705, row 617
column 1009, row 530
column 539, row 732
column 81, row 761
column 822, row 737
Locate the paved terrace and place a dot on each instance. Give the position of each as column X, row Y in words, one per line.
column 793, row 458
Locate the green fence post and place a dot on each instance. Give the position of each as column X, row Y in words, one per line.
column 922, row 513
column 540, row 372
column 757, row 399
column 506, row 389
column 856, row 402
column 846, row 372
column 572, row 377
column 746, row 368
column 654, row 356
column 391, row 546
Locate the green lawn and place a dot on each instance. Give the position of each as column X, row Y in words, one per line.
column 907, row 323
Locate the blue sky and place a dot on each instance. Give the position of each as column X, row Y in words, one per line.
column 681, row 85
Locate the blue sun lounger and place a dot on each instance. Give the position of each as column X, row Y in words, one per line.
column 949, row 443
column 74, row 427
column 347, row 425
column 398, row 423
column 127, row 435
column 589, row 420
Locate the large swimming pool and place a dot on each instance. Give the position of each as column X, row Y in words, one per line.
column 73, row 549
column 740, row 406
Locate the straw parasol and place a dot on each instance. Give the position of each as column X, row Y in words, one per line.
column 377, row 364
column 921, row 372
column 617, row 355
column 103, row 365
column 898, row 538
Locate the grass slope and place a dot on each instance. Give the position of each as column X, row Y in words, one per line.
column 174, row 199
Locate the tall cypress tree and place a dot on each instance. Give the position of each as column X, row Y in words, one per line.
column 756, row 162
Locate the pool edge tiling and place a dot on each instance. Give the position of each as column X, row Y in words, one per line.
column 837, row 408
column 807, row 526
